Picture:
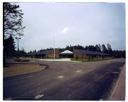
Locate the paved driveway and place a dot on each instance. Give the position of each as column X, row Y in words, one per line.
column 64, row 81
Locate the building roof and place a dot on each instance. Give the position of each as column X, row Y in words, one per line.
column 89, row 52
column 66, row 52
column 37, row 53
column 44, row 52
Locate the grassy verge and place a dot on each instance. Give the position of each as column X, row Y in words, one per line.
column 21, row 60
column 88, row 60
column 20, row 69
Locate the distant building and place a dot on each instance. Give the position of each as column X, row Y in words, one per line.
column 88, row 54
column 76, row 53
column 50, row 53
column 45, row 54
column 37, row 54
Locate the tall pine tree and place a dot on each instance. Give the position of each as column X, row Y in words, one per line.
column 12, row 26
column 9, row 47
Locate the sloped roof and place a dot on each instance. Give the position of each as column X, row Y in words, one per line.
column 89, row 52
column 66, row 52
column 37, row 53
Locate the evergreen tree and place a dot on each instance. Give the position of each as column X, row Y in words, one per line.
column 9, row 47
column 104, row 49
column 98, row 48
column 109, row 48
column 12, row 19
column 12, row 26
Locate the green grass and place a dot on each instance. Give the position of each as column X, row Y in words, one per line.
column 87, row 59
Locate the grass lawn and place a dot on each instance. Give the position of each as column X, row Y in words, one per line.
column 19, row 69
column 89, row 60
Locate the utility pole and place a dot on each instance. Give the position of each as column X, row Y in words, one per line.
column 54, row 52
column 18, row 38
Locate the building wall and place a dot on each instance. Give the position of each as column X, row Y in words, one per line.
column 78, row 54
column 50, row 54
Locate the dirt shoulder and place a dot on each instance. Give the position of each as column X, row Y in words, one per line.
column 20, row 69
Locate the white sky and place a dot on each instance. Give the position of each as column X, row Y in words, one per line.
column 61, row 24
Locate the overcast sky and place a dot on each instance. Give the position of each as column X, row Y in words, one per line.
column 61, row 24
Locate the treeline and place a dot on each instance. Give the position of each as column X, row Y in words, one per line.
column 10, row 51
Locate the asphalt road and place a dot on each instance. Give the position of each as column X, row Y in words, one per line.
column 64, row 81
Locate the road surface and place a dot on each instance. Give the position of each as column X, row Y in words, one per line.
column 64, row 81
